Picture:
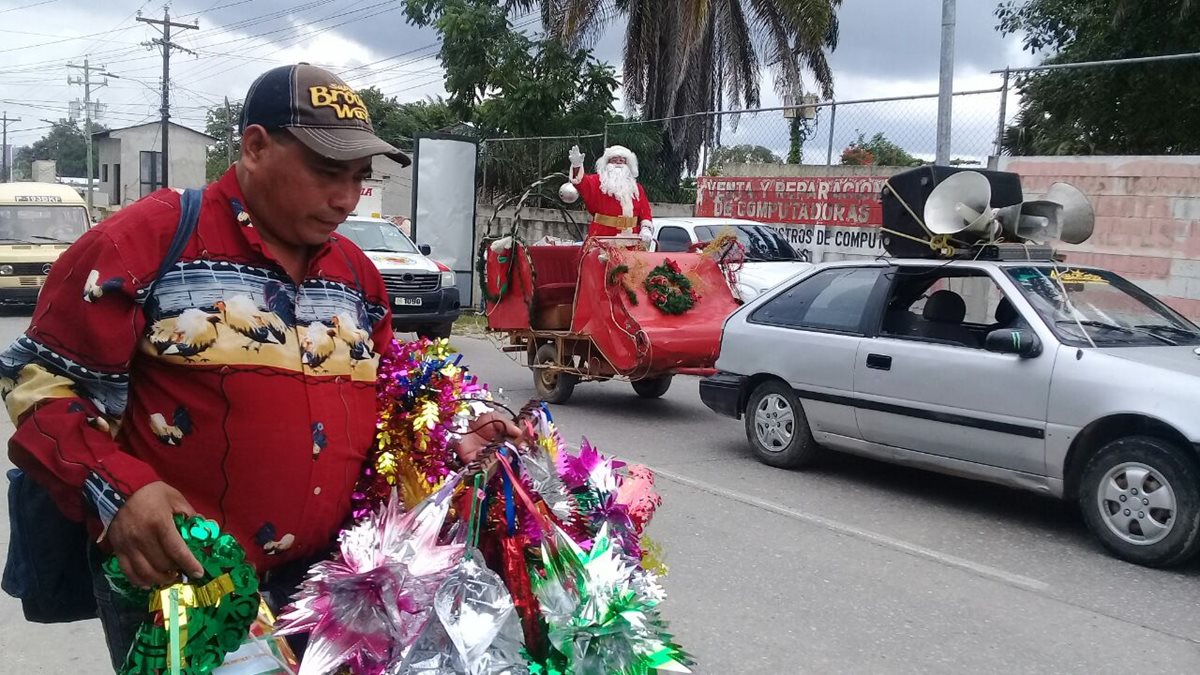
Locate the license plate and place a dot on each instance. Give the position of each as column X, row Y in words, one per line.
column 409, row 302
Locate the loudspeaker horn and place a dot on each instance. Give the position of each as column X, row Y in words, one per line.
column 960, row 203
column 1078, row 218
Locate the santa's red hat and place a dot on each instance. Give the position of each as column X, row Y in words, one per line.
column 618, row 151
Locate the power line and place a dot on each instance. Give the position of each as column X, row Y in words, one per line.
column 299, row 35
column 32, row 4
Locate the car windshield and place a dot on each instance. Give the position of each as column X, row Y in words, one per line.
column 41, row 224
column 1097, row 305
column 762, row 242
column 372, row 235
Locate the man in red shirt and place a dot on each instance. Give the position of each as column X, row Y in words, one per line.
column 613, row 196
column 223, row 389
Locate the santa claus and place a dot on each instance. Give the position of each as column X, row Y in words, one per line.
column 612, row 195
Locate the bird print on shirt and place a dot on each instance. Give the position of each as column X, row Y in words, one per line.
column 259, row 327
column 188, row 335
column 358, row 339
column 94, row 289
column 318, row 345
column 173, row 433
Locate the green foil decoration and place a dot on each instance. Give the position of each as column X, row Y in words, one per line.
column 212, row 614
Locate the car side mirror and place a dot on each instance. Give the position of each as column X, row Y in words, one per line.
column 1020, row 341
column 425, row 249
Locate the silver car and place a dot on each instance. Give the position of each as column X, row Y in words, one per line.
column 1063, row 380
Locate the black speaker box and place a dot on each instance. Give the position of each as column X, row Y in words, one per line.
column 914, row 186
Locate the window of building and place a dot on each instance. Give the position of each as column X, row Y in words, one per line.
column 150, row 171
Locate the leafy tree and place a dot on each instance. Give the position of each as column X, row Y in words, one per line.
column 223, row 125
column 856, row 155
column 740, row 154
column 66, row 144
column 877, row 150
column 1126, row 109
column 685, row 56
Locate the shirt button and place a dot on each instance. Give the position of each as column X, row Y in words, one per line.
column 316, row 490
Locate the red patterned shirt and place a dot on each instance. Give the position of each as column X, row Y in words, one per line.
column 252, row 395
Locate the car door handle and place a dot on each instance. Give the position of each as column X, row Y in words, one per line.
column 879, row 361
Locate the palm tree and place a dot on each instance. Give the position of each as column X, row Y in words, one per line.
column 689, row 56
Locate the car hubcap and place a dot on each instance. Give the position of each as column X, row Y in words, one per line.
column 1137, row 503
column 774, row 423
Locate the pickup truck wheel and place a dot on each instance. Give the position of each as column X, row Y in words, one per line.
column 777, row 429
column 652, row 387
column 1140, row 496
column 552, row 386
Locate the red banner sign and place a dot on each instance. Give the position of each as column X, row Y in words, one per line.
column 817, row 215
column 844, row 201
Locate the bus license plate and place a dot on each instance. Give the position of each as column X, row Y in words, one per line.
column 409, row 302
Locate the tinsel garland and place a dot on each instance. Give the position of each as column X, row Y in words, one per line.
column 425, row 401
column 561, row 562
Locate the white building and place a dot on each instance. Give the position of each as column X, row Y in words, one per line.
column 131, row 161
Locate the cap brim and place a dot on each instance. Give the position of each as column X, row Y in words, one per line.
column 347, row 144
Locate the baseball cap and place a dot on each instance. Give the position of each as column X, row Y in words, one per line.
column 319, row 109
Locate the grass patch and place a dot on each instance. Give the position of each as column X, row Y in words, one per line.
column 470, row 323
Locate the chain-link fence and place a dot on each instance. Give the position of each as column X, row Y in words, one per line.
column 510, row 165
column 897, row 131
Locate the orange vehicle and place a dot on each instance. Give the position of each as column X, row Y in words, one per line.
column 586, row 312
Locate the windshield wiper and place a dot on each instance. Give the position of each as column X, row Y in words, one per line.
column 53, row 239
column 1135, row 330
column 1167, row 327
column 10, row 240
column 382, row 250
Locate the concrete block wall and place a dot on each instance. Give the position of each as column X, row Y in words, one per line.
column 1147, row 218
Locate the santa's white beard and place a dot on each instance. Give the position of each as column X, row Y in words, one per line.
column 617, row 181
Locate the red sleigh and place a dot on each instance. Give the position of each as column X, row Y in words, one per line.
column 582, row 312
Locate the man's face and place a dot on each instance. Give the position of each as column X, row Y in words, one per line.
column 298, row 196
column 616, row 161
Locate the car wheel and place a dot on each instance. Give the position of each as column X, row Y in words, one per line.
column 552, row 386
column 652, row 387
column 436, row 331
column 1141, row 497
column 777, row 428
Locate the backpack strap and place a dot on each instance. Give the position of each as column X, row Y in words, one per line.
column 189, row 216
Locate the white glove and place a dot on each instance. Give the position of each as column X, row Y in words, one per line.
column 646, row 231
column 575, row 156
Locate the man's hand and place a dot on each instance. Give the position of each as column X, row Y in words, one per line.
column 486, row 428
column 145, row 540
column 575, row 156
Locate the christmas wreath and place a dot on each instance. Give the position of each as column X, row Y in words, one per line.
column 669, row 290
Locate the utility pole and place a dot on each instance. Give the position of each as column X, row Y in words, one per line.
column 86, row 81
column 165, row 42
column 946, row 84
column 5, row 119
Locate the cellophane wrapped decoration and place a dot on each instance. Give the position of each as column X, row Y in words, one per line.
column 538, row 564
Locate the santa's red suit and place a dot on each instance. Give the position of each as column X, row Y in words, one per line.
column 617, row 202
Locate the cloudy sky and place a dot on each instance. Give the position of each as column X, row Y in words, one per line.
column 888, row 48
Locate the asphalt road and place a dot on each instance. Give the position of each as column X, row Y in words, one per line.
column 850, row 567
